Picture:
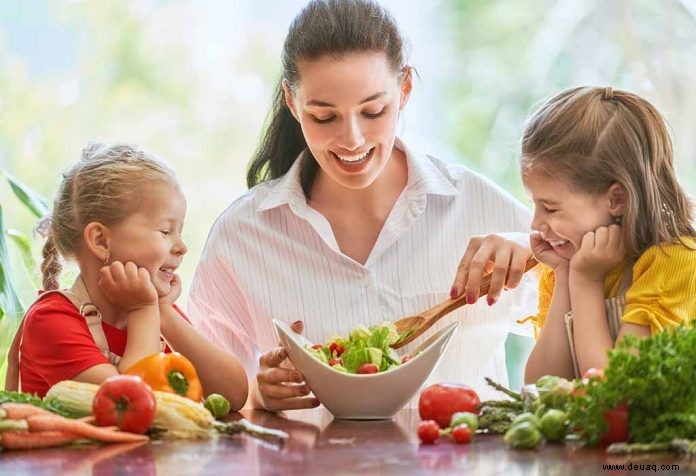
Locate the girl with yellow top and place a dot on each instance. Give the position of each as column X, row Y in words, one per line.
column 611, row 224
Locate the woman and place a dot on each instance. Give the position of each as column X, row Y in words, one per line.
column 344, row 224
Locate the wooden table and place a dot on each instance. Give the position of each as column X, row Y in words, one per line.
column 320, row 445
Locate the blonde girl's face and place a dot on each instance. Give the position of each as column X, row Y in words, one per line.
column 151, row 237
column 348, row 109
column 562, row 216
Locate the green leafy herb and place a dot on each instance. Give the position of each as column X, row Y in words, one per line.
column 50, row 404
column 654, row 376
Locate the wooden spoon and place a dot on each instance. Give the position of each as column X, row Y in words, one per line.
column 410, row 328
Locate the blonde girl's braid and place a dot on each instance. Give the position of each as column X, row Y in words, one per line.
column 105, row 186
column 51, row 266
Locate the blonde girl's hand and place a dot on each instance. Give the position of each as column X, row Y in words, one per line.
column 127, row 286
column 500, row 255
column 544, row 253
column 174, row 292
column 600, row 251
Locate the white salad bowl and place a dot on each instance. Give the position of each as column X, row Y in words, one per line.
column 370, row 396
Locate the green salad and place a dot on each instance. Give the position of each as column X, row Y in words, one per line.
column 365, row 351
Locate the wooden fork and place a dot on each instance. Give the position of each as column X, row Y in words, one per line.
column 410, row 328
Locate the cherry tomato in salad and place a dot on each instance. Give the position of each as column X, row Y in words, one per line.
column 440, row 401
column 462, row 434
column 317, row 346
column 125, row 401
column 406, row 358
column 333, row 362
column 367, row 369
column 428, row 432
column 336, row 349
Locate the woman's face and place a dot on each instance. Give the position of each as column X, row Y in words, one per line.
column 348, row 109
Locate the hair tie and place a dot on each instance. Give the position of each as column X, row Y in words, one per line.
column 43, row 226
column 608, row 94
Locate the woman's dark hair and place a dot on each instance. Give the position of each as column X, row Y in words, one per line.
column 323, row 27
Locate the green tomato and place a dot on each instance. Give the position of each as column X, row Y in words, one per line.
column 559, row 395
column 547, row 382
column 526, row 417
column 522, row 436
column 466, row 418
column 217, row 405
column 554, row 424
column 540, row 410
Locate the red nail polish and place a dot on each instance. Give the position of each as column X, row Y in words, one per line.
column 470, row 298
column 454, row 292
column 315, row 402
column 490, row 300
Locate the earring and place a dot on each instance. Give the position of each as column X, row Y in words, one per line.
column 106, row 258
column 617, row 220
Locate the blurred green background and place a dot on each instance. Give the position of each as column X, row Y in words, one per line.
column 192, row 81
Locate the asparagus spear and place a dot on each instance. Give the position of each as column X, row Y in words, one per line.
column 631, row 448
column 510, row 404
column 676, row 445
column 506, row 391
column 246, row 426
column 684, row 446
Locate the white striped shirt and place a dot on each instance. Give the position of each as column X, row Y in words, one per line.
column 271, row 256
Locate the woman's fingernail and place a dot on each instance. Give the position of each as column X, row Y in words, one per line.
column 454, row 292
column 315, row 402
column 297, row 377
column 490, row 300
column 470, row 298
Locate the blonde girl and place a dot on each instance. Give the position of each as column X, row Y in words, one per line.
column 612, row 225
column 119, row 213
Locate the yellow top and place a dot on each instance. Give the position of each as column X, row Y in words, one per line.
column 663, row 292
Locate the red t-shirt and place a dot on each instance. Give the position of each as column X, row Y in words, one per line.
column 57, row 345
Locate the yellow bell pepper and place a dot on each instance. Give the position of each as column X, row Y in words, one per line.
column 171, row 373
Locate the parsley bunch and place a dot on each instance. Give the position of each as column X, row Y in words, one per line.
column 656, row 377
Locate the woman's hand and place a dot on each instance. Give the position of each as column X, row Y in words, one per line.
column 127, row 286
column 544, row 253
column 280, row 388
column 600, row 251
column 498, row 254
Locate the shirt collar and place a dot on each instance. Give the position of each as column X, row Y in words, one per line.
column 424, row 178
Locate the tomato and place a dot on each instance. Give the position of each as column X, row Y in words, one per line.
column 336, row 349
column 367, row 369
column 617, row 423
column 125, row 401
column 317, row 347
column 462, row 434
column 593, row 372
column 406, row 358
column 428, row 431
column 440, row 401
column 333, row 362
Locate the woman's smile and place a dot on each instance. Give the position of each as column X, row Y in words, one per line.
column 354, row 162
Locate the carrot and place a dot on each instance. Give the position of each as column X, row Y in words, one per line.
column 20, row 411
column 59, row 423
column 25, row 440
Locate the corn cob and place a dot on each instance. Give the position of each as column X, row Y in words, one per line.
column 181, row 417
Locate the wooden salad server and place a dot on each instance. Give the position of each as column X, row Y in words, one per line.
column 410, row 328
